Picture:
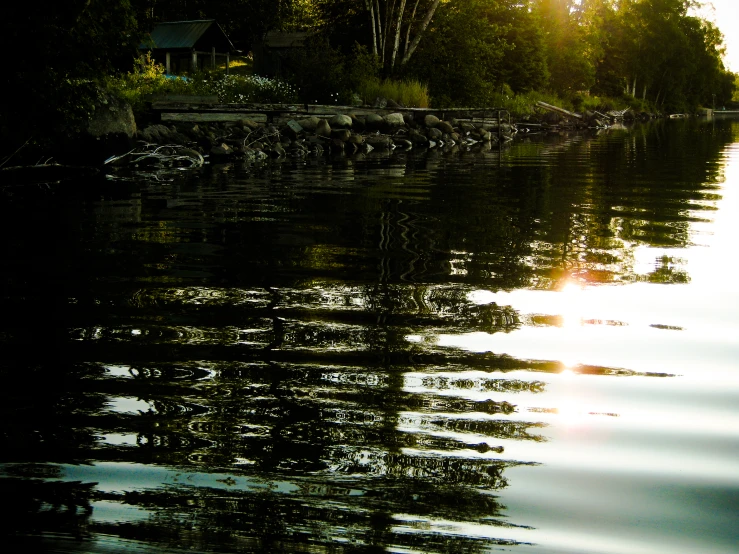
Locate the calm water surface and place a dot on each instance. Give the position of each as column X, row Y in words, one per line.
column 533, row 351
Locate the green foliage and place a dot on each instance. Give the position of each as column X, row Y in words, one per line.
column 147, row 80
column 241, row 88
column 461, row 55
column 322, row 74
column 406, row 92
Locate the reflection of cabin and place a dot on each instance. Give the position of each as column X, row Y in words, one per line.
column 184, row 46
column 269, row 53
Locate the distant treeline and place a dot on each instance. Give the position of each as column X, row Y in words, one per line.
column 650, row 50
column 647, row 52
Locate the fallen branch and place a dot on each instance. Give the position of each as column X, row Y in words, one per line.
column 558, row 109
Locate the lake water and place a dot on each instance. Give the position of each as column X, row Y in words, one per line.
column 528, row 351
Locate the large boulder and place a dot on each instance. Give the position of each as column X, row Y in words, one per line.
column 445, row 127
column 323, row 128
column 309, row 123
column 340, row 121
column 341, row 134
column 431, row 120
column 109, row 132
column 394, row 120
column 111, row 116
column 434, row 134
column 373, row 122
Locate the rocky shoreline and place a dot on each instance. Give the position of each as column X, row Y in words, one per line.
column 315, row 136
column 114, row 141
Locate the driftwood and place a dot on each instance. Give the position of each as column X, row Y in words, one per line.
column 558, row 110
column 170, row 155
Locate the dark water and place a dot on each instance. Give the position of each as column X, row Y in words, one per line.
column 528, row 351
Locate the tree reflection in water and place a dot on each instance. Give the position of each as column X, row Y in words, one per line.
column 264, row 344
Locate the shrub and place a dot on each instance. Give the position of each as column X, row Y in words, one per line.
column 148, row 80
column 242, row 88
column 407, row 92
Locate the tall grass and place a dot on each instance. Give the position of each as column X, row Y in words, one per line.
column 407, row 92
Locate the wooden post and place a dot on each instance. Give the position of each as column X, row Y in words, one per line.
column 167, row 62
column 228, row 61
column 194, row 61
column 213, row 57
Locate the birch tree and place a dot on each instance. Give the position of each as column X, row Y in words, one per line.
column 397, row 23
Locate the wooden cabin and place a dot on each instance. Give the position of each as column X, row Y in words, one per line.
column 188, row 46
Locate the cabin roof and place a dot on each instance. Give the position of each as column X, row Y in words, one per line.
column 187, row 34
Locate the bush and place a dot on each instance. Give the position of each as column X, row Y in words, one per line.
column 407, row 92
column 148, row 80
column 242, row 88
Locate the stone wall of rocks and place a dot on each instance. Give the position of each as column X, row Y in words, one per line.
column 314, row 136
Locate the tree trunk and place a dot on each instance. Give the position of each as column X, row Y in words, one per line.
column 424, row 24
column 371, row 10
column 380, row 37
column 398, row 25
column 408, row 29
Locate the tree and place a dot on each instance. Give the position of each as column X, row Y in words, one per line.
column 392, row 24
column 569, row 57
column 59, row 51
column 462, row 56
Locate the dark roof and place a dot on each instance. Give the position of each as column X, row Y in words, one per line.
column 188, row 34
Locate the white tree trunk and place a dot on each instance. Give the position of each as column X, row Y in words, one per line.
column 408, row 29
column 371, row 10
column 424, row 24
column 398, row 25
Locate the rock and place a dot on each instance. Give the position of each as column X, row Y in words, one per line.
column 418, row 138
column 249, row 124
column 431, row 121
column 340, row 121
column 358, row 122
column 111, row 116
column 323, row 129
column 374, row 122
column 445, row 127
column 309, row 123
column 394, row 120
column 157, row 134
column 434, row 134
column 403, row 143
column 337, row 145
column 341, row 134
column 222, row 150
column 380, row 102
column 393, row 104
column 466, row 127
column 356, row 139
column 379, row 141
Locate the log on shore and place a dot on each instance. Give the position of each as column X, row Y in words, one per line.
column 558, row 110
